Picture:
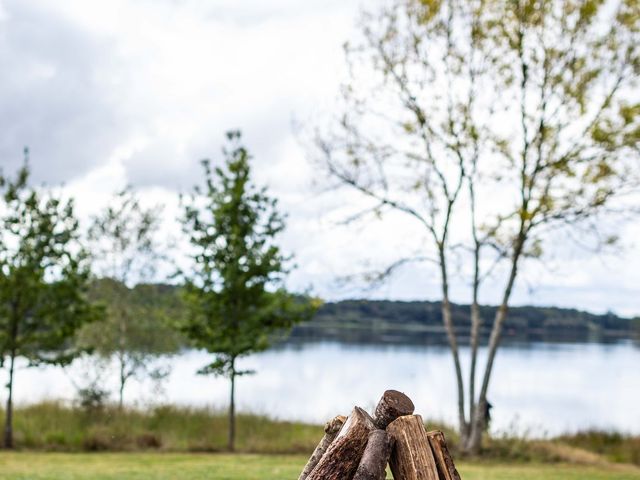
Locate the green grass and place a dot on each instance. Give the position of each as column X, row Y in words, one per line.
column 55, row 427
column 614, row 446
column 139, row 466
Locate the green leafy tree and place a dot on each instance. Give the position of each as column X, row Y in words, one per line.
column 43, row 281
column 124, row 245
column 234, row 296
column 136, row 330
column 501, row 128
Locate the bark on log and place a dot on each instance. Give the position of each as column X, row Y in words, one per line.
column 331, row 429
column 342, row 458
column 444, row 461
column 411, row 457
column 373, row 465
column 392, row 405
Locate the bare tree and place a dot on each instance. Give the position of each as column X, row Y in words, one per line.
column 494, row 125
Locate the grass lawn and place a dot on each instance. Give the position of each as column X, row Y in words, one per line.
column 165, row 466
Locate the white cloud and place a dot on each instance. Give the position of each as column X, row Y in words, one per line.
column 110, row 93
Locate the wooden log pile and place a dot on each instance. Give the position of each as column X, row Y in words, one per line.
column 360, row 446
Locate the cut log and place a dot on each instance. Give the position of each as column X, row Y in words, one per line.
column 373, row 465
column 392, row 405
column 342, row 458
column 444, row 461
column 411, row 457
column 331, row 429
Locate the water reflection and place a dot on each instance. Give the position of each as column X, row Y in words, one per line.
column 537, row 388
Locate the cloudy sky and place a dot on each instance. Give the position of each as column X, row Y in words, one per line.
column 109, row 93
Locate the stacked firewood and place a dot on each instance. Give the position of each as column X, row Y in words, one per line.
column 359, row 447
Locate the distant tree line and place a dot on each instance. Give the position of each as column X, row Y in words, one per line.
column 416, row 322
column 421, row 322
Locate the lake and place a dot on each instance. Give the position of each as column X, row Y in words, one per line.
column 537, row 389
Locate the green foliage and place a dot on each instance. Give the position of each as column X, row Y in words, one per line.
column 134, row 339
column 135, row 327
column 43, row 275
column 538, row 95
column 92, row 398
column 123, row 239
column 43, row 279
column 151, row 310
column 234, row 297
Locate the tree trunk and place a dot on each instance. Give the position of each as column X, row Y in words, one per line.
column 343, row 456
column 8, row 425
column 476, row 320
column 373, row 465
column 122, row 344
column 466, row 435
column 446, row 467
column 474, row 442
column 411, row 458
column 123, row 381
column 392, row 405
column 331, row 430
column 478, row 421
column 451, row 337
column 232, row 409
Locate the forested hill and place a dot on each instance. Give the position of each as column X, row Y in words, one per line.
column 362, row 321
column 368, row 321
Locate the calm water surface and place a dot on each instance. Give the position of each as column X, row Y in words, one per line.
column 539, row 389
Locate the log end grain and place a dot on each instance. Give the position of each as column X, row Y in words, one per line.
column 392, row 405
column 333, row 426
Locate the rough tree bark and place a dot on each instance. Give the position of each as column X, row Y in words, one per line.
column 342, row 458
column 373, row 465
column 392, row 405
column 411, row 458
column 444, row 461
column 331, row 430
